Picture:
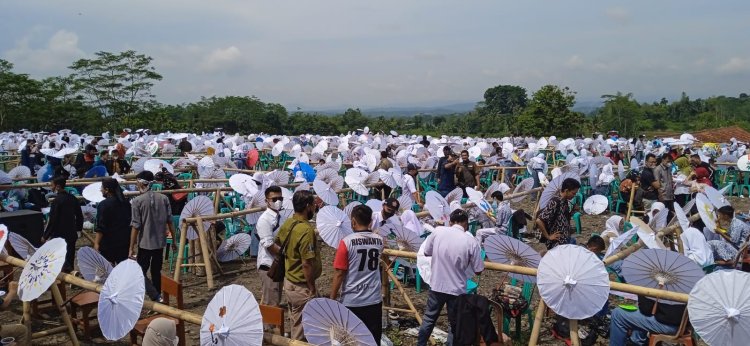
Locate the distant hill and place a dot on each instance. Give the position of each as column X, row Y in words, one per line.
column 407, row 111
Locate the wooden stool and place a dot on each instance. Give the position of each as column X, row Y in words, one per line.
column 684, row 335
column 87, row 301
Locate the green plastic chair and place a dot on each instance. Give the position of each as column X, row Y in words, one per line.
column 175, row 239
column 577, row 220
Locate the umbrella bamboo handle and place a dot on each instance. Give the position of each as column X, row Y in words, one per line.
column 574, row 333
column 537, row 323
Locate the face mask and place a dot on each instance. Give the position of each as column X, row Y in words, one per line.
column 276, row 205
column 387, row 214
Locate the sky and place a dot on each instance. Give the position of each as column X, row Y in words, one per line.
column 331, row 54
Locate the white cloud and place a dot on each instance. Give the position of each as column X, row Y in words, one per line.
column 59, row 52
column 618, row 14
column 574, row 61
column 735, row 65
column 223, row 59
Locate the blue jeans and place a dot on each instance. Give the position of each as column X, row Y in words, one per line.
column 435, row 302
column 638, row 323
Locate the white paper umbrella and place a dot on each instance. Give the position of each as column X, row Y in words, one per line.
column 19, row 172
column 277, row 149
column 138, row 165
column 573, row 282
column 719, row 306
column 355, row 179
column 21, row 246
column 405, row 240
column 743, row 163
column 198, row 206
column 325, row 192
column 233, row 247
column 232, row 318
column 525, row 185
column 438, row 207
column 328, row 322
column 659, row 220
column 503, row 249
column 620, row 170
column 156, row 165
column 682, row 218
column 3, row 237
column 662, row 269
column 121, row 300
column 93, row 266
column 614, row 244
column 89, row 213
column 706, row 211
column 647, row 235
column 333, row 225
column 243, row 184
column 716, row 198
column 424, row 264
column 93, row 192
column 595, row 205
column 553, row 188
column 349, row 207
column 454, row 196
column 41, row 269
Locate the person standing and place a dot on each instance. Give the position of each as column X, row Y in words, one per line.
column 454, row 252
column 302, row 259
column 553, row 220
column 384, row 164
column 467, row 173
column 410, row 186
column 447, row 173
column 185, row 146
column 113, row 223
column 663, row 175
column 30, row 156
column 357, row 272
column 266, row 229
column 151, row 219
column 648, row 187
column 65, row 220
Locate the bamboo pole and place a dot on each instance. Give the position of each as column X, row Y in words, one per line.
column 49, row 332
column 537, row 323
column 405, row 296
column 574, row 333
column 64, row 313
column 630, row 201
column 205, row 254
column 27, row 317
column 180, row 251
column 182, row 315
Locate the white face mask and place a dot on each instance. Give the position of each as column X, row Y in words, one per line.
column 276, row 205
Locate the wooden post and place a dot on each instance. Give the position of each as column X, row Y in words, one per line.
column 386, row 288
column 537, row 323
column 180, row 251
column 574, row 333
column 630, row 201
column 205, row 253
column 27, row 319
column 64, row 312
column 405, row 296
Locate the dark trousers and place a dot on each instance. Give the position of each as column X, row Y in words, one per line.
column 435, row 302
column 372, row 317
column 151, row 259
column 70, row 255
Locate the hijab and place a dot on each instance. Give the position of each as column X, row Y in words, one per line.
column 683, row 165
column 696, row 247
column 612, row 226
column 161, row 332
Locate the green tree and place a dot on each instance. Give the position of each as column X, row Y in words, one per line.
column 622, row 113
column 17, row 93
column 119, row 85
column 549, row 113
column 504, row 99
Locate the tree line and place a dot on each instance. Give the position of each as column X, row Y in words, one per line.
column 112, row 91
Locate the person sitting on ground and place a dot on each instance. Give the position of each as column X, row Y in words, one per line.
column 16, row 331
column 554, row 219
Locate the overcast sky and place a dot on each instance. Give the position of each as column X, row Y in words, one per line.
column 330, row 54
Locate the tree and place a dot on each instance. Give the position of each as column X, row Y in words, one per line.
column 622, row 113
column 119, row 85
column 17, row 93
column 504, row 99
column 549, row 113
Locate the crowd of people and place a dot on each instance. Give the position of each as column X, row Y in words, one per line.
column 138, row 228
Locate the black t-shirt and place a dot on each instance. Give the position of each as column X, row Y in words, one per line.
column 647, row 178
column 669, row 314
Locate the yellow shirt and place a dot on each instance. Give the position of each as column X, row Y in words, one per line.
column 303, row 245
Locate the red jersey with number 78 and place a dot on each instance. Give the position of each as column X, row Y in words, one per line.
column 359, row 254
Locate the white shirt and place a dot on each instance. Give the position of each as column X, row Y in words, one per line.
column 457, row 253
column 384, row 229
column 266, row 229
column 409, row 186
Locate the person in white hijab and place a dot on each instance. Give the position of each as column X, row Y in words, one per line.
column 653, row 214
column 161, row 332
column 696, row 247
column 613, row 226
column 606, row 177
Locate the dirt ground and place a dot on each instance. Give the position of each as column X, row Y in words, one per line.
column 197, row 296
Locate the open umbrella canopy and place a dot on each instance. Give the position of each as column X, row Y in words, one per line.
column 325, row 192
column 243, row 184
column 156, row 166
column 662, row 269
column 121, row 300
column 233, row 247
column 42, row 269
column 333, row 225
column 503, row 249
column 525, row 185
column 438, row 207
column 232, row 318
column 19, row 172
column 573, row 282
column 198, row 206
column 21, row 246
column 93, row 266
column 706, row 211
column 719, row 305
column 553, row 188
column 621, row 239
column 646, row 234
column 328, row 322
column 355, row 178
column 349, row 207
column 3, row 237
column 595, row 204
column 477, row 198
column 93, row 192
